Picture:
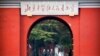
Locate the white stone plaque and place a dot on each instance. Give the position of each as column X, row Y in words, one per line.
column 49, row 8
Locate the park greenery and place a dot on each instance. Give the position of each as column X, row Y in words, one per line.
column 50, row 32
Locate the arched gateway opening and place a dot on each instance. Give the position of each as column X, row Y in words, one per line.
column 50, row 36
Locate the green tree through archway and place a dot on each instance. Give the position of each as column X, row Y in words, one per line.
column 49, row 34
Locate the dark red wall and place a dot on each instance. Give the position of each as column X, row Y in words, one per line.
column 14, row 30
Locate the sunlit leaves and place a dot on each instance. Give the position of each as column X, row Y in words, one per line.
column 38, row 34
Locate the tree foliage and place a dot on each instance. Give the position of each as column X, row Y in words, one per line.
column 52, row 31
